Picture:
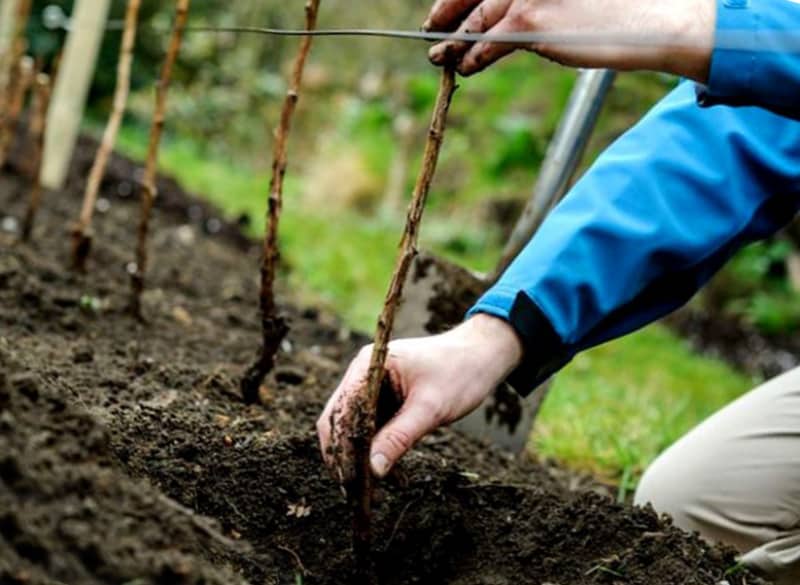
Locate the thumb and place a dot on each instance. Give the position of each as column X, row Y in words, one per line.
column 414, row 421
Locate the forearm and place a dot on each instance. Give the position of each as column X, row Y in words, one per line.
column 649, row 224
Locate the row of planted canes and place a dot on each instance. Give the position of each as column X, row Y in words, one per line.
column 26, row 76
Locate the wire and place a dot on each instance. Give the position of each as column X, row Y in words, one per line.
column 733, row 40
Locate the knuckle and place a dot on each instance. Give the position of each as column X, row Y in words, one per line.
column 522, row 15
column 399, row 440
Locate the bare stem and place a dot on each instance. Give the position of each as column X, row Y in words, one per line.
column 10, row 62
column 38, row 131
column 360, row 492
column 273, row 325
column 81, row 235
column 148, row 190
column 21, row 81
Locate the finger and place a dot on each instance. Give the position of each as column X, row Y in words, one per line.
column 485, row 16
column 481, row 55
column 329, row 414
column 414, row 421
column 446, row 14
column 343, row 421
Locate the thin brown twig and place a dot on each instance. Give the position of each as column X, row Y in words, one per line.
column 81, row 233
column 363, row 428
column 291, row 552
column 21, row 81
column 19, row 44
column 148, row 190
column 273, row 325
column 402, row 515
column 38, row 131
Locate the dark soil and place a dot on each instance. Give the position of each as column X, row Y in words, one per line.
column 741, row 345
column 128, row 456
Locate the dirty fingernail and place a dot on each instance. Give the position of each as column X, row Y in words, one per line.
column 436, row 53
column 426, row 26
column 380, row 464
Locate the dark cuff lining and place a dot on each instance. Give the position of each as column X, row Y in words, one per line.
column 705, row 99
column 545, row 353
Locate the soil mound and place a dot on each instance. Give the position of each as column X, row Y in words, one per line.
column 126, row 454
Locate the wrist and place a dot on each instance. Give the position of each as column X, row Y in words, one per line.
column 496, row 341
column 693, row 28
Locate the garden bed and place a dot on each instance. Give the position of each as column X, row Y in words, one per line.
column 126, row 454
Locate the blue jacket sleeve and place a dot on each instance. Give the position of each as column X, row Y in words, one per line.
column 756, row 59
column 660, row 211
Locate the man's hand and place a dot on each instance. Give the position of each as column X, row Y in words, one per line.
column 680, row 33
column 438, row 380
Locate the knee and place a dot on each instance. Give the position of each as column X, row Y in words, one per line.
column 669, row 491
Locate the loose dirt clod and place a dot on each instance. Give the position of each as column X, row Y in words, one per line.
column 148, row 190
column 81, row 235
column 364, row 426
column 273, row 325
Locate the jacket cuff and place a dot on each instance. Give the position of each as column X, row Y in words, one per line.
column 732, row 69
column 754, row 57
column 544, row 351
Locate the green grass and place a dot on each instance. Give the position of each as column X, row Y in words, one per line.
column 341, row 258
column 616, row 407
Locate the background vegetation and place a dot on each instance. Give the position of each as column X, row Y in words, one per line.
column 353, row 157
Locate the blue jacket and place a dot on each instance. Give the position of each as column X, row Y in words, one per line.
column 668, row 203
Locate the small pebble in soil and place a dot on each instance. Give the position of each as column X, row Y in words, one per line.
column 182, row 316
column 103, row 205
column 131, row 268
column 213, row 226
column 9, row 225
column 186, row 235
column 125, row 189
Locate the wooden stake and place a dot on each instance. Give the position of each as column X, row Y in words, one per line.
column 71, row 90
column 148, row 190
column 21, row 80
column 8, row 12
column 81, row 234
column 363, row 429
column 38, row 131
column 273, row 325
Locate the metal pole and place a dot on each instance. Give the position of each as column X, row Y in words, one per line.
column 72, row 88
column 563, row 157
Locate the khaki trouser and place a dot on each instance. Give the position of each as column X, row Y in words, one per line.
column 736, row 479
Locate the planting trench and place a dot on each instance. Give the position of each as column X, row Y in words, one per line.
column 127, row 455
